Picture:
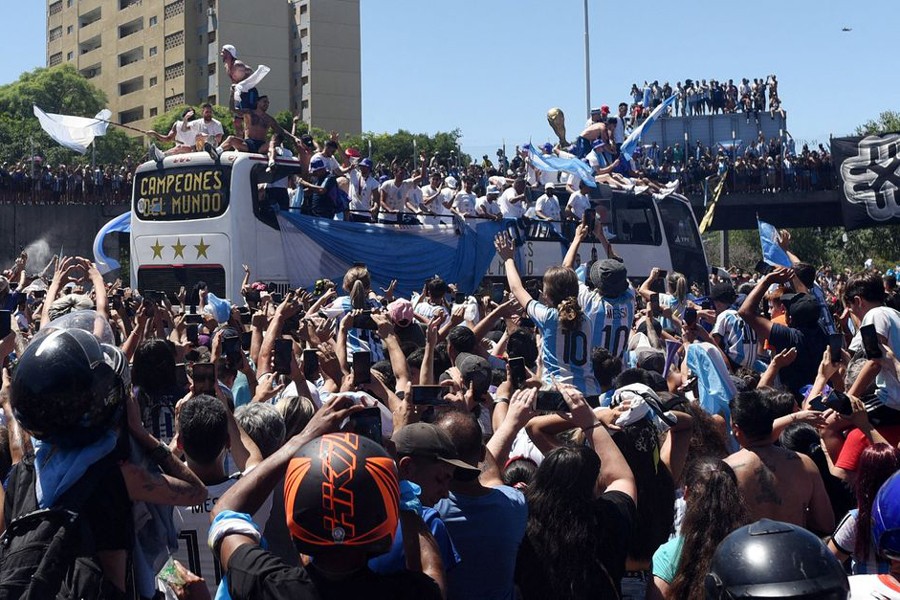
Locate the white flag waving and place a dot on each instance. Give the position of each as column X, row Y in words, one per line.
column 75, row 133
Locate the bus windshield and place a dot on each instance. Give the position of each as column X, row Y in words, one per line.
column 634, row 221
column 182, row 194
column 678, row 222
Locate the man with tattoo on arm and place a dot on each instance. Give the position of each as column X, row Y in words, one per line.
column 776, row 483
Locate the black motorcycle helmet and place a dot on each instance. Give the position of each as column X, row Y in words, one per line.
column 65, row 389
column 771, row 559
column 342, row 489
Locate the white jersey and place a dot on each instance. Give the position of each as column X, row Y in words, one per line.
column 465, row 203
column 395, row 196
column 192, row 523
column 507, row 208
column 878, row 587
column 361, row 190
column 887, row 324
column 578, row 203
column 483, row 207
column 210, row 129
column 738, row 338
column 548, row 206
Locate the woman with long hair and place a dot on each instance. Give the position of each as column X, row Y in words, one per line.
column 876, row 464
column 715, row 508
column 571, row 317
column 358, row 285
column 671, row 303
column 576, row 539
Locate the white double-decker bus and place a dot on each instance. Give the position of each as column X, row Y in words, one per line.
column 193, row 220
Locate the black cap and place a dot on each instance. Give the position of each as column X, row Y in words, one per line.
column 610, row 277
column 723, row 292
column 427, row 441
column 474, row 369
column 803, row 309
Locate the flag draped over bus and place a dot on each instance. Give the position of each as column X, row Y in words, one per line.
column 316, row 248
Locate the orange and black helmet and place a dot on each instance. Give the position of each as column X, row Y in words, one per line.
column 342, row 489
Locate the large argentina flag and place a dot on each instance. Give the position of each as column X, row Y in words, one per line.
column 315, row 248
column 630, row 144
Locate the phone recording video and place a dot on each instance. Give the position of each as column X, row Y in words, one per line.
column 517, row 372
column 365, row 321
column 181, row 378
column 590, row 219
column 835, row 345
column 497, row 293
column 367, row 423
column 204, row 377
column 246, row 340
column 310, row 365
column 840, row 402
column 283, row 349
column 5, row 323
column 231, row 347
column 427, row 395
column 362, row 365
column 550, row 401
column 193, row 334
column 654, row 303
column 870, row 342
column 459, row 298
column 690, row 316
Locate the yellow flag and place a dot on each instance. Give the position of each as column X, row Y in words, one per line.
column 708, row 217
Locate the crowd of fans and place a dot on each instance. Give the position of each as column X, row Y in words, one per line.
column 583, row 439
column 27, row 183
column 697, row 97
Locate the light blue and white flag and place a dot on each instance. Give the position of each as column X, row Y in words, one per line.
column 316, row 248
column 631, row 142
column 104, row 263
column 75, row 133
column 772, row 252
column 551, row 162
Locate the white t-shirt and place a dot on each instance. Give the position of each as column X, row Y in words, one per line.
column 465, row 203
column 210, row 129
column 482, row 206
column 874, row 586
column 578, row 203
column 887, row 324
column 361, row 190
column 186, row 136
column 394, row 196
column 548, row 206
column 508, row 209
column 192, row 523
column 331, row 162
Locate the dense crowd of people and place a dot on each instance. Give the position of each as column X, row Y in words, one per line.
column 26, row 183
column 697, row 97
column 583, row 438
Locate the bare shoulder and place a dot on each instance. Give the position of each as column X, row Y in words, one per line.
column 742, row 459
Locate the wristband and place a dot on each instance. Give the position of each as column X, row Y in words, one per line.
column 229, row 522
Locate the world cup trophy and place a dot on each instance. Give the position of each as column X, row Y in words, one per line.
column 557, row 121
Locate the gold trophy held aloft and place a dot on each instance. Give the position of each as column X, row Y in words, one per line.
column 557, row 121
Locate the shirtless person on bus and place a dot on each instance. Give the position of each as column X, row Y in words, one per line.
column 584, row 142
column 259, row 124
column 237, row 72
column 776, row 483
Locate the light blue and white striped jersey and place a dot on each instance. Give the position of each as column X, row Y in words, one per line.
column 612, row 318
column 671, row 302
column 566, row 355
column 358, row 340
column 738, row 338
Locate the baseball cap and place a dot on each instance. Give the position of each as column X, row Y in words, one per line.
column 316, row 164
column 307, row 141
column 451, row 182
column 596, row 111
column 476, row 370
column 401, row 312
column 548, row 186
column 610, row 277
column 723, row 292
column 604, row 109
column 492, row 189
column 230, row 50
column 803, row 309
column 427, row 441
column 547, row 147
column 365, row 163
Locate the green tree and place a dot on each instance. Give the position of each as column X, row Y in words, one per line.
column 163, row 123
column 59, row 89
column 888, row 121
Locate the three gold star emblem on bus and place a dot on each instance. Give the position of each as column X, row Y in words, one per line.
column 178, row 247
column 157, row 249
column 201, row 249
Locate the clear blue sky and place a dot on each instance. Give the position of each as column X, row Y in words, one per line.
column 492, row 68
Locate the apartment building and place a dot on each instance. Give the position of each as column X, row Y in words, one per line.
column 149, row 56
